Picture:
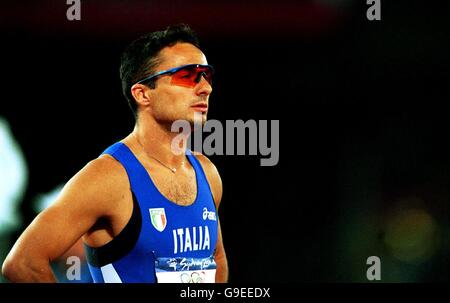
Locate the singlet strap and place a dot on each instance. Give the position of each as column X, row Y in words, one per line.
column 120, row 245
column 133, row 167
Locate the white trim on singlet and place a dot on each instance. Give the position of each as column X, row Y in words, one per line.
column 109, row 274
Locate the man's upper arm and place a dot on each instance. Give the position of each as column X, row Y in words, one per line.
column 83, row 200
column 215, row 183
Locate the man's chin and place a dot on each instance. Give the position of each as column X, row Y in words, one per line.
column 195, row 125
column 198, row 120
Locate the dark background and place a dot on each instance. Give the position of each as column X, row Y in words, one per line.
column 364, row 168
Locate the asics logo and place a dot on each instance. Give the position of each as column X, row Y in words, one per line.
column 210, row 215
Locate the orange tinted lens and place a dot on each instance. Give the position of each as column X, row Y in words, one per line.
column 191, row 75
column 207, row 73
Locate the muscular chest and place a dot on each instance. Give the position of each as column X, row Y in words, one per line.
column 180, row 188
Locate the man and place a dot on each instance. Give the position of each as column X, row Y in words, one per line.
column 145, row 213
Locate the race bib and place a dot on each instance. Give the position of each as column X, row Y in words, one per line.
column 185, row 270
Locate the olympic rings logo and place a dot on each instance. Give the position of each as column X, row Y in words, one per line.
column 194, row 277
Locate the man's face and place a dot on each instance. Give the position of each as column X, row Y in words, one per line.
column 171, row 102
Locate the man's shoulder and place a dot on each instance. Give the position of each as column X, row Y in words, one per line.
column 207, row 164
column 104, row 166
column 102, row 174
column 96, row 188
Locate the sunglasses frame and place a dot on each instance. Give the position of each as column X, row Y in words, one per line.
column 174, row 70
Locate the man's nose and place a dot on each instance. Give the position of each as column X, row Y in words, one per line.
column 204, row 88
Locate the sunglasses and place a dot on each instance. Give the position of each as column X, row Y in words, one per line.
column 185, row 75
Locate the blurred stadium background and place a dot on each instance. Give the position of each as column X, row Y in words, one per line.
column 364, row 167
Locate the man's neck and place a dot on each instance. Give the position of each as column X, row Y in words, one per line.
column 156, row 140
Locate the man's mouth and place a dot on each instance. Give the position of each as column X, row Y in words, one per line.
column 201, row 107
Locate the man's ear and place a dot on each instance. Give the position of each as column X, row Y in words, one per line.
column 141, row 94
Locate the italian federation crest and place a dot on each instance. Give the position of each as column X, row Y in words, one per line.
column 158, row 218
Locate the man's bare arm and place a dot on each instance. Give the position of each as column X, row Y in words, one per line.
column 221, row 260
column 215, row 182
column 83, row 200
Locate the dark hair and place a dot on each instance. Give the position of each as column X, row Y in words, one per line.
column 142, row 55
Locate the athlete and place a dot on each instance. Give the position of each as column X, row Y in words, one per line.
column 144, row 212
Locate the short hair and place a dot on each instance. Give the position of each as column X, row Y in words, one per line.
column 141, row 56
